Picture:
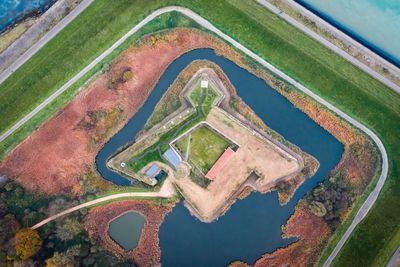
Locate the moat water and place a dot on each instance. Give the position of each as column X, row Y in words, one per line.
column 252, row 226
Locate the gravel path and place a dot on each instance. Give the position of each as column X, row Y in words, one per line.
column 206, row 24
column 167, row 190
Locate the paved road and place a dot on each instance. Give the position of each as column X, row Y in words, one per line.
column 206, row 24
column 167, row 190
column 395, row 260
column 331, row 46
column 47, row 37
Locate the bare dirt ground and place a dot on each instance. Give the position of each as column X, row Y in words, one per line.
column 147, row 253
column 52, row 157
column 254, row 154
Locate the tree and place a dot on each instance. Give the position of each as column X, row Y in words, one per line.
column 27, row 243
column 68, row 229
column 64, row 259
column 317, row 208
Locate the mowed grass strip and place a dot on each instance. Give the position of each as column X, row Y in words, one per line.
column 206, row 146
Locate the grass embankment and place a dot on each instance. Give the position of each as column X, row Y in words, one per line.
column 290, row 50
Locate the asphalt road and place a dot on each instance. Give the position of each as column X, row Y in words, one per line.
column 331, row 46
column 395, row 260
column 206, row 24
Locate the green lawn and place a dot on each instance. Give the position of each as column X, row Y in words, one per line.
column 282, row 45
column 195, row 94
column 206, row 146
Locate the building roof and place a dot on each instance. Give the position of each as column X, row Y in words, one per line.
column 213, row 172
column 204, row 84
column 172, row 157
column 152, row 170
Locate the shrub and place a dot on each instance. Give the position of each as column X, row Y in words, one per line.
column 127, row 75
column 317, row 208
column 27, row 243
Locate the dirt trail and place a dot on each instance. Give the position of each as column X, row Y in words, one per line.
column 166, row 191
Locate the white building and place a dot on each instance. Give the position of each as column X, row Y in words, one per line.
column 204, row 84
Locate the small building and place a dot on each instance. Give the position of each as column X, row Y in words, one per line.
column 213, row 172
column 172, row 157
column 152, row 170
column 155, row 173
column 204, row 84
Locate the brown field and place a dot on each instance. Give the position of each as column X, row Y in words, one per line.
column 51, row 159
column 254, row 155
column 311, row 230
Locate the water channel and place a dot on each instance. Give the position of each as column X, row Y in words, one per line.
column 252, row 226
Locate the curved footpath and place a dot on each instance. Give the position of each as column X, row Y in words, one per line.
column 206, row 24
column 331, row 46
column 167, row 190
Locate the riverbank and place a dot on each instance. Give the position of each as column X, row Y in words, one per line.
column 339, row 38
column 23, row 35
column 16, row 11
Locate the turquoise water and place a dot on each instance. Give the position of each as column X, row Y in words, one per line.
column 252, row 226
column 126, row 230
column 374, row 23
column 12, row 11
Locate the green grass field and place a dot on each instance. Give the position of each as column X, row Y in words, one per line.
column 206, row 146
column 304, row 59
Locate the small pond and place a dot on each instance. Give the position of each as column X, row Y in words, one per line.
column 126, row 230
column 252, row 226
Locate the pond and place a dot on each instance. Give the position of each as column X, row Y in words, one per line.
column 126, row 230
column 252, row 226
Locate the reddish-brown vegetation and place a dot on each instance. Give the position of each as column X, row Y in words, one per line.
column 51, row 159
column 147, row 253
column 311, row 230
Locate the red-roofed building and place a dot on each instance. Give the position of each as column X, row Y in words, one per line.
column 212, row 173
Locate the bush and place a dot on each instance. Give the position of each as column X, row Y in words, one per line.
column 27, row 243
column 127, row 75
column 317, row 208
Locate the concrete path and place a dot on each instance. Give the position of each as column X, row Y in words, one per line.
column 46, row 38
column 167, row 190
column 330, row 45
column 206, row 24
column 395, row 260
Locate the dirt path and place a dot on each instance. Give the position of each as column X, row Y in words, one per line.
column 167, row 190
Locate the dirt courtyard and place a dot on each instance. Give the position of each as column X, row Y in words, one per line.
column 255, row 154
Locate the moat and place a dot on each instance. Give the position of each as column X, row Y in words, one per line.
column 252, row 226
